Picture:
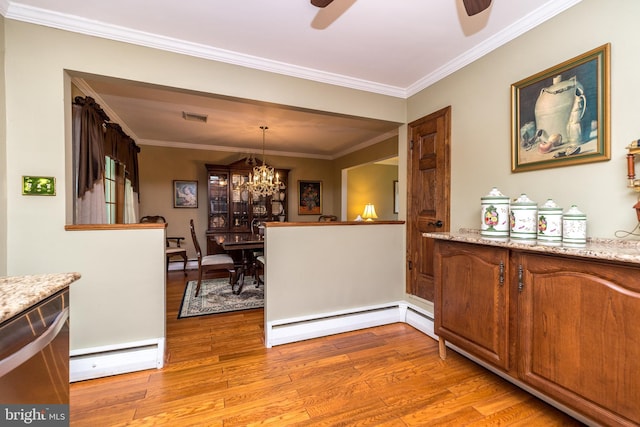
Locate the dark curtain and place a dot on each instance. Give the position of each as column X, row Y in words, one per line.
column 123, row 148
column 91, row 143
column 99, row 137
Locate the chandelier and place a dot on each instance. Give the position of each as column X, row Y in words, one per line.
column 264, row 181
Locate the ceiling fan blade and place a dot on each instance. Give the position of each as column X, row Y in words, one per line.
column 321, row 3
column 473, row 7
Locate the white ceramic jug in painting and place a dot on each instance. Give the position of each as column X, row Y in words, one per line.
column 554, row 106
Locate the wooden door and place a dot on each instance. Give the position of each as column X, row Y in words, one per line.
column 428, row 187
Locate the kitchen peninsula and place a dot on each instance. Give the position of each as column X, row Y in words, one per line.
column 559, row 321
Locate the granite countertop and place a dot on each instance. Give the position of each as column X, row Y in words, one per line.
column 627, row 251
column 18, row 293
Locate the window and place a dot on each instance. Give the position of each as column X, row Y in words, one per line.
column 114, row 180
column 110, row 189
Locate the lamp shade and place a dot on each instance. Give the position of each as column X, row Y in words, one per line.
column 369, row 212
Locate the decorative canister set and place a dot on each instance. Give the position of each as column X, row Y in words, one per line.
column 522, row 220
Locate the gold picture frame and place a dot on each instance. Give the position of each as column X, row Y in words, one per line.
column 560, row 116
column 185, row 194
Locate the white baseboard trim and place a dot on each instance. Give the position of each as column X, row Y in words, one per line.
column 97, row 362
column 303, row 328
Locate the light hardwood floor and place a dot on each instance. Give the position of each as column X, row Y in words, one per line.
column 218, row 373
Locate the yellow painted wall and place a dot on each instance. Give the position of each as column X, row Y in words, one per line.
column 371, row 183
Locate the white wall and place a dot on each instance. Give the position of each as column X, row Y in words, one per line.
column 479, row 96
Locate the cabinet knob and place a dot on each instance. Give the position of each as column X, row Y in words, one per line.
column 436, row 224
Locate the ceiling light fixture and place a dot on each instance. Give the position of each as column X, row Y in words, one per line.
column 264, row 181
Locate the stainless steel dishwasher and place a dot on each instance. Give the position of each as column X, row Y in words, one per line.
column 34, row 354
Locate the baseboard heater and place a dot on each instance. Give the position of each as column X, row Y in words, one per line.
column 97, row 362
column 286, row 331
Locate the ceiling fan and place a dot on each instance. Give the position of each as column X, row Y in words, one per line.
column 473, row 7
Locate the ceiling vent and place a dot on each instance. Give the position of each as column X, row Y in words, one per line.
column 193, row 117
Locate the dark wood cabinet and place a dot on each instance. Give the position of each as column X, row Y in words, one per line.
column 232, row 209
column 565, row 326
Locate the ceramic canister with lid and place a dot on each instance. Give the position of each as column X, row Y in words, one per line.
column 550, row 223
column 524, row 219
column 574, row 227
column 495, row 215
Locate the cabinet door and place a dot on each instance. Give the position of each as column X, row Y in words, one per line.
column 218, row 200
column 240, row 202
column 471, row 299
column 579, row 334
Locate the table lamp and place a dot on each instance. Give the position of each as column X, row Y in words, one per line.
column 369, row 212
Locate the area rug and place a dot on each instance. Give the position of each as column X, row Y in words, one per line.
column 216, row 297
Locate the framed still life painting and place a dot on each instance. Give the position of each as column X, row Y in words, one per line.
column 309, row 197
column 560, row 116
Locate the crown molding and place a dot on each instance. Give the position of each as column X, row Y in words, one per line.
column 226, row 149
column 537, row 17
column 206, row 147
column 75, row 24
column 4, row 7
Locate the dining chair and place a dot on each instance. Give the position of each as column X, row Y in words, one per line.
column 172, row 244
column 207, row 263
column 259, row 268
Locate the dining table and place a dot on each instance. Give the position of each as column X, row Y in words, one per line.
column 245, row 244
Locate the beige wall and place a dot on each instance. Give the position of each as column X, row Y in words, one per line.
column 380, row 151
column 37, row 88
column 159, row 166
column 36, row 58
column 331, row 268
column 479, row 96
column 3, row 160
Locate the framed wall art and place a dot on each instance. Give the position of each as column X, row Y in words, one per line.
column 185, row 194
column 560, row 116
column 38, row 186
column 309, row 197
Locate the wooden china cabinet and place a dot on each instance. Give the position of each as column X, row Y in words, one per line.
column 232, row 209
